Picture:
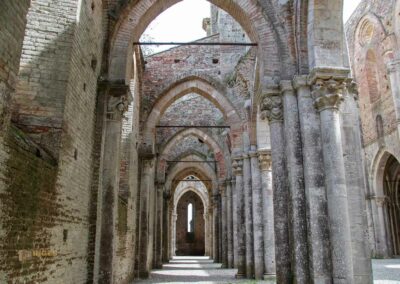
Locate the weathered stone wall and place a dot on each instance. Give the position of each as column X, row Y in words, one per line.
column 185, row 245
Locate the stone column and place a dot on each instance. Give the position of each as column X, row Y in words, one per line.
column 224, row 236
column 327, row 94
column 382, row 246
column 159, row 227
column 272, row 108
column 294, row 162
column 257, row 199
column 210, row 232
column 248, row 215
column 173, row 239
column 166, row 227
column 240, row 232
column 116, row 106
column 234, row 220
column 216, row 218
column 314, row 179
column 146, row 186
column 393, row 68
column 265, row 163
column 229, row 224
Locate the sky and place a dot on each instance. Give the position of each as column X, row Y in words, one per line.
column 183, row 22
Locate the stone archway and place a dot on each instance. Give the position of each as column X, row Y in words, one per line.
column 391, row 191
column 193, row 238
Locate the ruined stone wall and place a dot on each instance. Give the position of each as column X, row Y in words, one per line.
column 370, row 40
column 55, row 105
column 186, row 245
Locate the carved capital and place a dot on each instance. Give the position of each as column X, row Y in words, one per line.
column 272, row 108
column 380, row 200
column 328, row 94
column 119, row 99
column 265, row 160
column 253, row 154
column 237, row 166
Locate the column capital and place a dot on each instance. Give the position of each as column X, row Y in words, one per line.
column 286, row 86
column 300, row 81
column 272, row 108
column 237, row 166
column 328, row 93
column 380, row 200
column 265, row 160
column 119, row 98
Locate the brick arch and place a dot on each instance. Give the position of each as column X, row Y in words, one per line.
column 208, row 139
column 192, row 85
column 200, row 170
column 137, row 15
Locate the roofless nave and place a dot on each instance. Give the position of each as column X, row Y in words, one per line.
column 266, row 157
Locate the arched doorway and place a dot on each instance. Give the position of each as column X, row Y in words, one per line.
column 391, row 189
column 190, row 225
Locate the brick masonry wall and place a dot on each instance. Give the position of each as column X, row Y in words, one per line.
column 12, row 22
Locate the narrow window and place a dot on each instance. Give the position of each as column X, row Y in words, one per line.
column 190, row 219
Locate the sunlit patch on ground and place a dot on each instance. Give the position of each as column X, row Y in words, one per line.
column 203, row 270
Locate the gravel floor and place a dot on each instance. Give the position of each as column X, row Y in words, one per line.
column 203, row 270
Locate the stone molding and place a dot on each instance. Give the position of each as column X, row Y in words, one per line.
column 286, row 86
column 380, row 200
column 253, row 154
column 300, row 81
column 265, row 160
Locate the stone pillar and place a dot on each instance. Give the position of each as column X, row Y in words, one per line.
column 224, row 236
column 382, row 245
column 240, row 232
column 166, row 227
column 173, row 239
column 257, row 199
column 210, row 232
column 314, row 179
column 216, row 218
column 393, row 68
column 265, row 163
column 146, row 186
column 294, row 162
column 327, row 94
column 272, row 108
column 229, row 224
column 159, row 227
column 116, row 106
column 234, row 220
column 248, row 215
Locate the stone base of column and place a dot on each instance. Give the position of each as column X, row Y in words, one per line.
column 144, row 274
column 240, row 276
column 270, row 278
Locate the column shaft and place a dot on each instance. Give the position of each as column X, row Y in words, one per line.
column 314, row 179
column 294, row 162
column 248, row 216
column 229, row 224
column 271, row 108
column 240, row 228
column 257, row 206
column 327, row 95
column 268, row 214
column 224, row 235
